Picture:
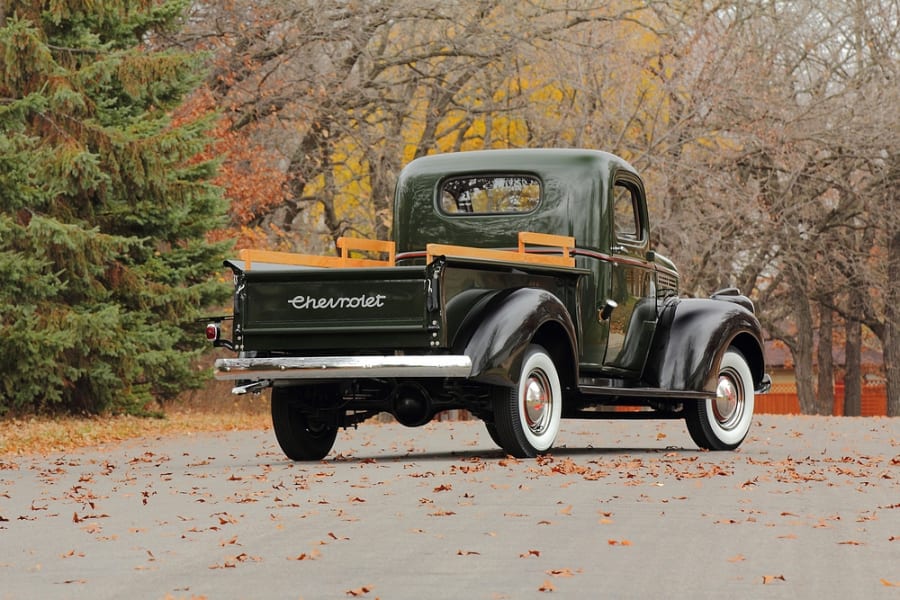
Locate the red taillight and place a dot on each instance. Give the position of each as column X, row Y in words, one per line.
column 212, row 332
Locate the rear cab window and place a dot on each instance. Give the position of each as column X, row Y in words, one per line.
column 490, row 194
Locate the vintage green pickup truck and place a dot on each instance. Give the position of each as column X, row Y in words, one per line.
column 520, row 286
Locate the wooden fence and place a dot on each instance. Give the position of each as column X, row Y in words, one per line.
column 782, row 400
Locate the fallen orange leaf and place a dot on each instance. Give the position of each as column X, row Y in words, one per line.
column 887, row 583
column 360, row 591
column 92, row 528
column 767, row 579
column 547, row 586
column 225, row 519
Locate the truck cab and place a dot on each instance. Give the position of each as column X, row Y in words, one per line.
column 595, row 197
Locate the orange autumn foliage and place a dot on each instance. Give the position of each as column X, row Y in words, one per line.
column 248, row 173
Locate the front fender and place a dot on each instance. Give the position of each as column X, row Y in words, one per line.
column 507, row 324
column 692, row 336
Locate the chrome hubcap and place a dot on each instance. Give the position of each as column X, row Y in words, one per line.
column 729, row 403
column 537, row 402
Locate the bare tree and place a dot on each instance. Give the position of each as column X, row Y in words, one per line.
column 776, row 105
column 347, row 93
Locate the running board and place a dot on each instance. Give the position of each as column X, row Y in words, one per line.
column 643, row 392
column 619, row 415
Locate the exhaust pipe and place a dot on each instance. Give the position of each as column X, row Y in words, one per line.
column 411, row 405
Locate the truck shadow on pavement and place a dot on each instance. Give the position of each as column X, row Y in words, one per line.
column 494, row 454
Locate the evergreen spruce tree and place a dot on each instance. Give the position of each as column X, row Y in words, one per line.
column 104, row 209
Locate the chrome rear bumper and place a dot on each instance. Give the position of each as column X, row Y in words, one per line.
column 342, row 367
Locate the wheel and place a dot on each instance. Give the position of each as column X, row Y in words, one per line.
column 527, row 417
column 300, row 437
column 722, row 423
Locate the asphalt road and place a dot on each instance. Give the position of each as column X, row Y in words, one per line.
column 807, row 508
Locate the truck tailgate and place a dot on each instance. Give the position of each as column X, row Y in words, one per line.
column 291, row 309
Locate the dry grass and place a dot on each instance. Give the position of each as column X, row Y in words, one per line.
column 210, row 409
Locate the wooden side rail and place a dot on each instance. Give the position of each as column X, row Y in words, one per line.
column 346, row 245
column 564, row 243
column 562, row 258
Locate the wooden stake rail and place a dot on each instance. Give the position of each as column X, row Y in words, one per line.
column 563, row 258
column 526, row 238
column 345, row 244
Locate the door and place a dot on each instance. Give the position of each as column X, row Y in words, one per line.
column 632, row 286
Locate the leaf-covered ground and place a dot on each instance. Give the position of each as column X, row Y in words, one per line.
column 60, row 434
column 808, row 507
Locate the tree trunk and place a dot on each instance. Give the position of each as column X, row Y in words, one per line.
column 802, row 351
column 852, row 363
column 382, row 178
column 825, row 395
column 891, row 338
column 892, row 370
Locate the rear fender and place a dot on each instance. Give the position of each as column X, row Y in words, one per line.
column 507, row 324
column 691, row 337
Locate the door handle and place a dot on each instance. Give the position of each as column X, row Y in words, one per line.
column 606, row 311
